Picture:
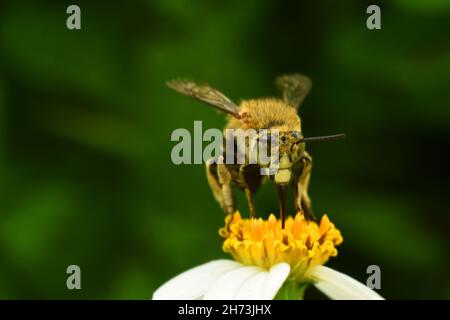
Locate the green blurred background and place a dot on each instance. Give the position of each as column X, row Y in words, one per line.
column 85, row 118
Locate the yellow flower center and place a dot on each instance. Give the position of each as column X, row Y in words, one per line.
column 302, row 244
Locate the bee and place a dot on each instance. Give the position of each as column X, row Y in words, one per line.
column 273, row 115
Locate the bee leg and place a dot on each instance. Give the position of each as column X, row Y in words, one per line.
column 282, row 190
column 224, row 175
column 211, row 176
column 302, row 199
column 251, row 203
column 251, row 176
column 217, row 178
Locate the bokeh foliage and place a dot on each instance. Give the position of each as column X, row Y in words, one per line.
column 85, row 121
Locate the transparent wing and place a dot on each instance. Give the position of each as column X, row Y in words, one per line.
column 294, row 88
column 206, row 94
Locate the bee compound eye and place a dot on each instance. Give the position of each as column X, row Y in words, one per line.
column 283, row 138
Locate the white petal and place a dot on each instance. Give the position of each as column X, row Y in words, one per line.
column 277, row 275
column 252, row 288
column 227, row 286
column 249, row 283
column 193, row 283
column 339, row 286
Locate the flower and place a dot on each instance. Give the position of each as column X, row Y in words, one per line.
column 301, row 243
column 271, row 261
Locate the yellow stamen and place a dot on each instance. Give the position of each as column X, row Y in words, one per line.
column 302, row 244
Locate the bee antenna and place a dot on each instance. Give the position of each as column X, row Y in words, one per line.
column 323, row 138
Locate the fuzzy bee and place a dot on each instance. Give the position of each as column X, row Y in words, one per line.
column 274, row 115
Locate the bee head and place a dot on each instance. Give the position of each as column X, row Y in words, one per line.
column 285, row 150
column 291, row 148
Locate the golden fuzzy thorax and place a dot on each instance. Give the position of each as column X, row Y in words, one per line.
column 266, row 113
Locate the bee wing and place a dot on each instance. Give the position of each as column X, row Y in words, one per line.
column 206, row 94
column 294, row 88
